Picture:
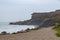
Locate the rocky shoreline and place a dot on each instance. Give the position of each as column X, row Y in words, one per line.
column 22, row 31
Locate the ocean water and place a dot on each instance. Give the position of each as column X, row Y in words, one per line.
column 13, row 28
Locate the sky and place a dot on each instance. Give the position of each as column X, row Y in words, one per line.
column 19, row 10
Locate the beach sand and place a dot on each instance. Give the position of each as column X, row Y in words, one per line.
column 41, row 34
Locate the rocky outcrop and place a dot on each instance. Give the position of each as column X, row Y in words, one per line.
column 42, row 19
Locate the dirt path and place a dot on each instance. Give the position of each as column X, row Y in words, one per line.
column 41, row 34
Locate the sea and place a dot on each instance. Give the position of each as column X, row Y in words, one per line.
column 5, row 26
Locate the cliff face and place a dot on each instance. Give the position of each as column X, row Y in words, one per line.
column 45, row 16
column 42, row 19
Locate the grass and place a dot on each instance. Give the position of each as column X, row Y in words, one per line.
column 27, row 30
column 35, row 28
column 57, row 29
column 58, row 34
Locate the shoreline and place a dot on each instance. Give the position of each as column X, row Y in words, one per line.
column 41, row 34
column 21, row 31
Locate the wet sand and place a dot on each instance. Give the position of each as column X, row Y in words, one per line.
column 41, row 34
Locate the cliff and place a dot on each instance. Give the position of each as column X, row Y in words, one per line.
column 42, row 19
column 47, row 15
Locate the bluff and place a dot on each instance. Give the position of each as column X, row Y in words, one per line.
column 42, row 19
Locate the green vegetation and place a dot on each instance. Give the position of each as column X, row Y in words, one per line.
column 13, row 33
column 27, row 30
column 35, row 28
column 57, row 28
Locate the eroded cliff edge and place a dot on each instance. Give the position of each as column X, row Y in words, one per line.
column 42, row 19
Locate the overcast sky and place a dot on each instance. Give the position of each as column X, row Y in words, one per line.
column 16, row 10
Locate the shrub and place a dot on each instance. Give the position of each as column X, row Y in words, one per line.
column 35, row 28
column 13, row 33
column 4, row 32
column 57, row 29
column 58, row 34
column 27, row 30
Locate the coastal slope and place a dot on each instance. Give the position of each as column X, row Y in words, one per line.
column 42, row 19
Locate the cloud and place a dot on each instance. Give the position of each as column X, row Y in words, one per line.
column 28, row 1
column 36, row 2
column 11, row 10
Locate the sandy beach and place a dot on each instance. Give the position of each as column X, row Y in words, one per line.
column 41, row 34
